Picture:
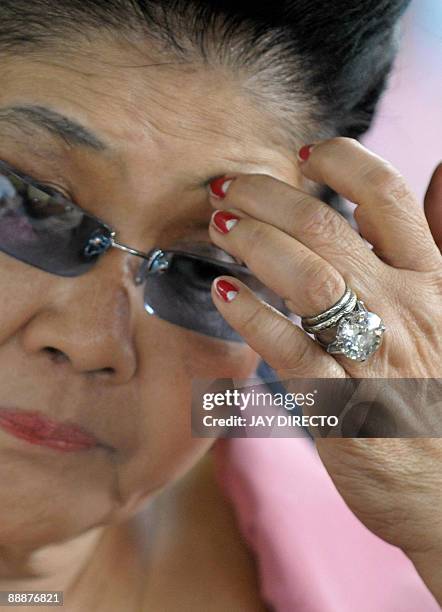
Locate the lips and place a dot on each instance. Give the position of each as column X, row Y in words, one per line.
column 38, row 429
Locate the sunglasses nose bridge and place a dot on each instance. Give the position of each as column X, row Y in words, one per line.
column 153, row 261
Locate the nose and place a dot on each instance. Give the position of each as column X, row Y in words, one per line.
column 87, row 322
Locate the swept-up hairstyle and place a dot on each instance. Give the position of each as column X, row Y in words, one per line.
column 320, row 66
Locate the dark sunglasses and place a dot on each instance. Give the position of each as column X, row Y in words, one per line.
column 42, row 228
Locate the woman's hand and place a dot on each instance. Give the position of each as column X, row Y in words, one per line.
column 306, row 252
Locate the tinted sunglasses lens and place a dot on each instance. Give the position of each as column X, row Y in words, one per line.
column 181, row 295
column 42, row 228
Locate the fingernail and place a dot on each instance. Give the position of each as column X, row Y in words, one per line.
column 224, row 220
column 219, row 187
column 226, row 290
column 304, row 152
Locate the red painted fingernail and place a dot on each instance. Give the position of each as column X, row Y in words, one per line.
column 226, row 290
column 219, row 186
column 304, row 152
column 224, row 221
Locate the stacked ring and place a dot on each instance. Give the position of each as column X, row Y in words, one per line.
column 347, row 328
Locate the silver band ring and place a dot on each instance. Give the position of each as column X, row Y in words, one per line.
column 330, row 311
column 327, row 322
column 357, row 332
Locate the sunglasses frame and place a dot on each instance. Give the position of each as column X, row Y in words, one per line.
column 155, row 261
column 104, row 238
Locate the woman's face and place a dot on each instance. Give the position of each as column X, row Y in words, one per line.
column 83, row 349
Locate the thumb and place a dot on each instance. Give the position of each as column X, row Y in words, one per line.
column 433, row 205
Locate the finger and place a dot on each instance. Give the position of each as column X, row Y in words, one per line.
column 281, row 343
column 312, row 222
column 433, row 205
column 307, row 283
column 387, row 213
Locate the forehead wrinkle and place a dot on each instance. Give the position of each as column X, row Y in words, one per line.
column 158, row 103
column 222, row 132
column 183, row 116
column 148, row 111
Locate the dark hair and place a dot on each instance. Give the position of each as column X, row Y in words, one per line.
column 328, row 58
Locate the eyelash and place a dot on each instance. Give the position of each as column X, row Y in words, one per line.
column 52, row 188
column 48, row 186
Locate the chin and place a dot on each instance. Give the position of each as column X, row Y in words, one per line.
column 47, row 498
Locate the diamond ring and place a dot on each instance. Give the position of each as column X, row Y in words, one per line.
column 347, row 328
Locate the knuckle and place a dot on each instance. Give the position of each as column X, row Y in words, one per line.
column 257, row 234
column 288, row 349
column 253, row 321
column 293, row 353
column 388, row 184
column 323, row 223
column 323, row 286
column 433, row 280
column 300, row 211
column 398, row 189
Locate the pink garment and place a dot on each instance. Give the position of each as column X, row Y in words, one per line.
column 312, row 553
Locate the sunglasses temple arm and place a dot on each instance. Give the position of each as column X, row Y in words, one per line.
column 127, row 249
column 161, row 259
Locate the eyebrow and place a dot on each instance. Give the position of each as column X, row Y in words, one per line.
column 67, row 129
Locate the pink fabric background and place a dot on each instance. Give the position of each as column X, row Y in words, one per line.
column 313, row 554
column 408, row 127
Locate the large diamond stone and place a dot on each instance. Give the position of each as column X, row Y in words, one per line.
column 359, row 334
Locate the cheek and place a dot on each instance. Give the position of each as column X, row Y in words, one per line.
column 165, row 445
column 218, row 359
column 159, row 445
column 21, row 287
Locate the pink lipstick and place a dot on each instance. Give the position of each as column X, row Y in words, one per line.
column 38, row 429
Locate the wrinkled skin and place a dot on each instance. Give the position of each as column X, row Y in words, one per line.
column 393, row 485
column 84, row 348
